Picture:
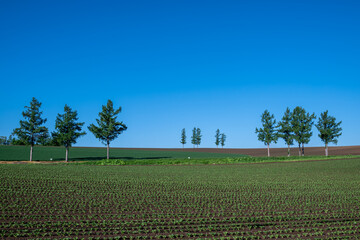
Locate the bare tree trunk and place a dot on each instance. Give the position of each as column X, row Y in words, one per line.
column 66, row 154
column 183, row 145
column 288, row 150
column 303, row 150
column 107, row 150
column 326, row 150
column 31, row 152
column 268, row 148
column 299, row 150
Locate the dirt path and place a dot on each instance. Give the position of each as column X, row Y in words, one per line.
column 32, row 162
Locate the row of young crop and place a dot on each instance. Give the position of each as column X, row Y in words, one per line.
column 180, row 202
column 198, row 231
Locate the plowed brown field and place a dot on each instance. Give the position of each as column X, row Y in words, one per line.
column 259, row 152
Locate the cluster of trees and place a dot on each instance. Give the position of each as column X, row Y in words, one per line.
column 67, row 128
column 296, row 126
column 6, row 140
column 196, row 136
column 220, row 138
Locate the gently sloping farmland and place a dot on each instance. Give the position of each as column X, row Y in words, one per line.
column 288, row 200
column 41, row 153
column 262, row 152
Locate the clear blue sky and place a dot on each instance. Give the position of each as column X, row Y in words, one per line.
column 179, row 64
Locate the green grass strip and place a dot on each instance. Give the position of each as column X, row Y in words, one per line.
column 227, row 160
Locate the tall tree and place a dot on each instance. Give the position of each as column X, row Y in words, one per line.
column 31, row 131
column 194, row 137
column 198, row 137
column 329, row 129
column 268, row 133
column 183, row 137
column 108, row 127
column 217, row 138
column 222, row 139
column 68, row 130
column 301, row 124
column 285, row 130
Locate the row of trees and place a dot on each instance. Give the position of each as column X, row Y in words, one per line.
column 296, row 126
column 67, row 127
column 196, row 136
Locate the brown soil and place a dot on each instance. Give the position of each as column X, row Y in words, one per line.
column 259, row 152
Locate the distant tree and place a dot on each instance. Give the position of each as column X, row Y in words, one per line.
column 3, row 140
column 183, row 137
column 45, row 140
column 268, row 133
column 194, row 137
column 198, row 137
column 68, row 130
column 301, row 124
column 329, row 129
column 17, row 141
column 217, row 138
column 31, row 131
column 48, row 140
column 222, row 139
column 108, row 127
column 10, row 139
column 285, row 129
column 6, row 140
column 53, row 140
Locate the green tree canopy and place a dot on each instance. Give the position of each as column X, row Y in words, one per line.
column 108, row 127
column 267, row 134
column 222, row 139
column 217, row 137
column 285, row 129
column 301, row 124
column 68, row 130
column 193, row 137
column 6, row 140
column 183, row 137
column 329, row 129
column 31, row 130
column 198, row 137
column 3, row 140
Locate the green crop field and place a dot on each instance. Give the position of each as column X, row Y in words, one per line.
column 298, row 200
column 15, row 153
